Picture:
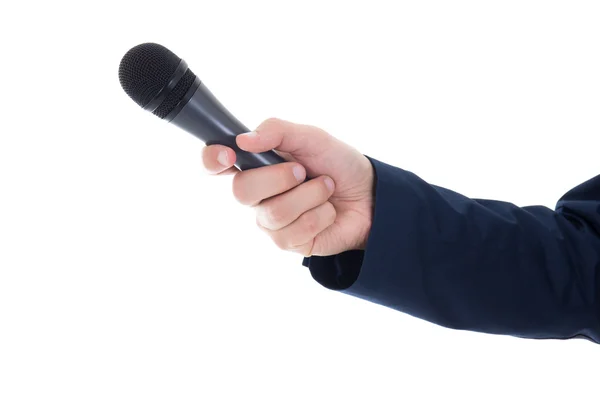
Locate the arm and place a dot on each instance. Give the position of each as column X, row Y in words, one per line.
column 480, row 265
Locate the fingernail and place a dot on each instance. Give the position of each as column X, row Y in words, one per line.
column 250, row 134
column 223, row 158
column 299, row 173
column 329, row 183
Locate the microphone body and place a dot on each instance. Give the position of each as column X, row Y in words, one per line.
column 202, row 115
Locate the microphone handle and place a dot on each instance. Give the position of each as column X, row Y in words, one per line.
column 202, row 115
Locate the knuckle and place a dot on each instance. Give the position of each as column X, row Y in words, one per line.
column 270, row 125
column 280, row 241
column 310, row 222
column 275, row 214
column 270, row 216
column 307, row 250
column 271, row 122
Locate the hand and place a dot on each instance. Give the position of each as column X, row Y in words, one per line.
column 326, row 215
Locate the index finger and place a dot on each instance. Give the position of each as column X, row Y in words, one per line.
column 218, row 159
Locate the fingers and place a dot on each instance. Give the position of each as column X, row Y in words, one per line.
column 300, row 235
column 252, row 186
column 282, row 210
column 291, row 211
column 284, row 136
column 218, row 159
column 293, row 219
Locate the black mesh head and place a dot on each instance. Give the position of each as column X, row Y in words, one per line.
column 175, row 96
column 146, row 69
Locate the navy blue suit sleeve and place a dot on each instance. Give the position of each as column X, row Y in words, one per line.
column 480, row 265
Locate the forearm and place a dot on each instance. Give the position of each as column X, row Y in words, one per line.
column 480, row 265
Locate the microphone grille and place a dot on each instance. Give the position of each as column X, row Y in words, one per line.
column 176, row 95
column 145, row 69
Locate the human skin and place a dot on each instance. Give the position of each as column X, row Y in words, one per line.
column 328, row 214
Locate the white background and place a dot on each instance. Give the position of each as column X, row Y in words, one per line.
column 126, row 272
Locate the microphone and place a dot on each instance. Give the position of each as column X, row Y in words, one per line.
column 160, row 82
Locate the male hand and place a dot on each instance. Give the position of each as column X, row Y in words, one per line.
column 326, row 215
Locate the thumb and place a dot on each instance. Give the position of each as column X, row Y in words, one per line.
column 285, row 136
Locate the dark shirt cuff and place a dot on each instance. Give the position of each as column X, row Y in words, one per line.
column 336, row 272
